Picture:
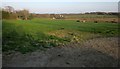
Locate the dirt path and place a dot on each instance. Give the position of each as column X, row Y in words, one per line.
column 89, row 54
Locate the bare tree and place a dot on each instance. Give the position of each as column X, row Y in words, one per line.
column 9, row 9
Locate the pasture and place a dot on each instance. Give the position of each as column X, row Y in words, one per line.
column 60, row 35
column 39, row 33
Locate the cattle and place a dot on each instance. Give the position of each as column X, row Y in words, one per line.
column 95, row 21
column 78, row 21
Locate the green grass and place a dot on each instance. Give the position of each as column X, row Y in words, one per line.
column 90, row 16
column 30, row 35
column 0, row 36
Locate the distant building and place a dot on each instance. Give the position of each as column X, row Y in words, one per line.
column 57, row 16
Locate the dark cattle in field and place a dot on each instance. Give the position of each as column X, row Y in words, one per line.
column 95, row 21
column 113, row 22
column 78, row 21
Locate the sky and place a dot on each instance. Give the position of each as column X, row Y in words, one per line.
column 59, row 0
column 63, row 6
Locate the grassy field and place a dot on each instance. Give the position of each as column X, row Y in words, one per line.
column 90, row 16
column 0, row 36
column 30, row 35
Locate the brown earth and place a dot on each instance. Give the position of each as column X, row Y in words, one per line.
column 98, row 52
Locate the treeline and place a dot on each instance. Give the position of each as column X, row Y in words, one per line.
column 103, row 13
column 9, row 12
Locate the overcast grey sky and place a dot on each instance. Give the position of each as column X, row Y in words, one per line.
column 64, row 7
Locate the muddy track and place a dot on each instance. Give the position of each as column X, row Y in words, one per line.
column 99, row 52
